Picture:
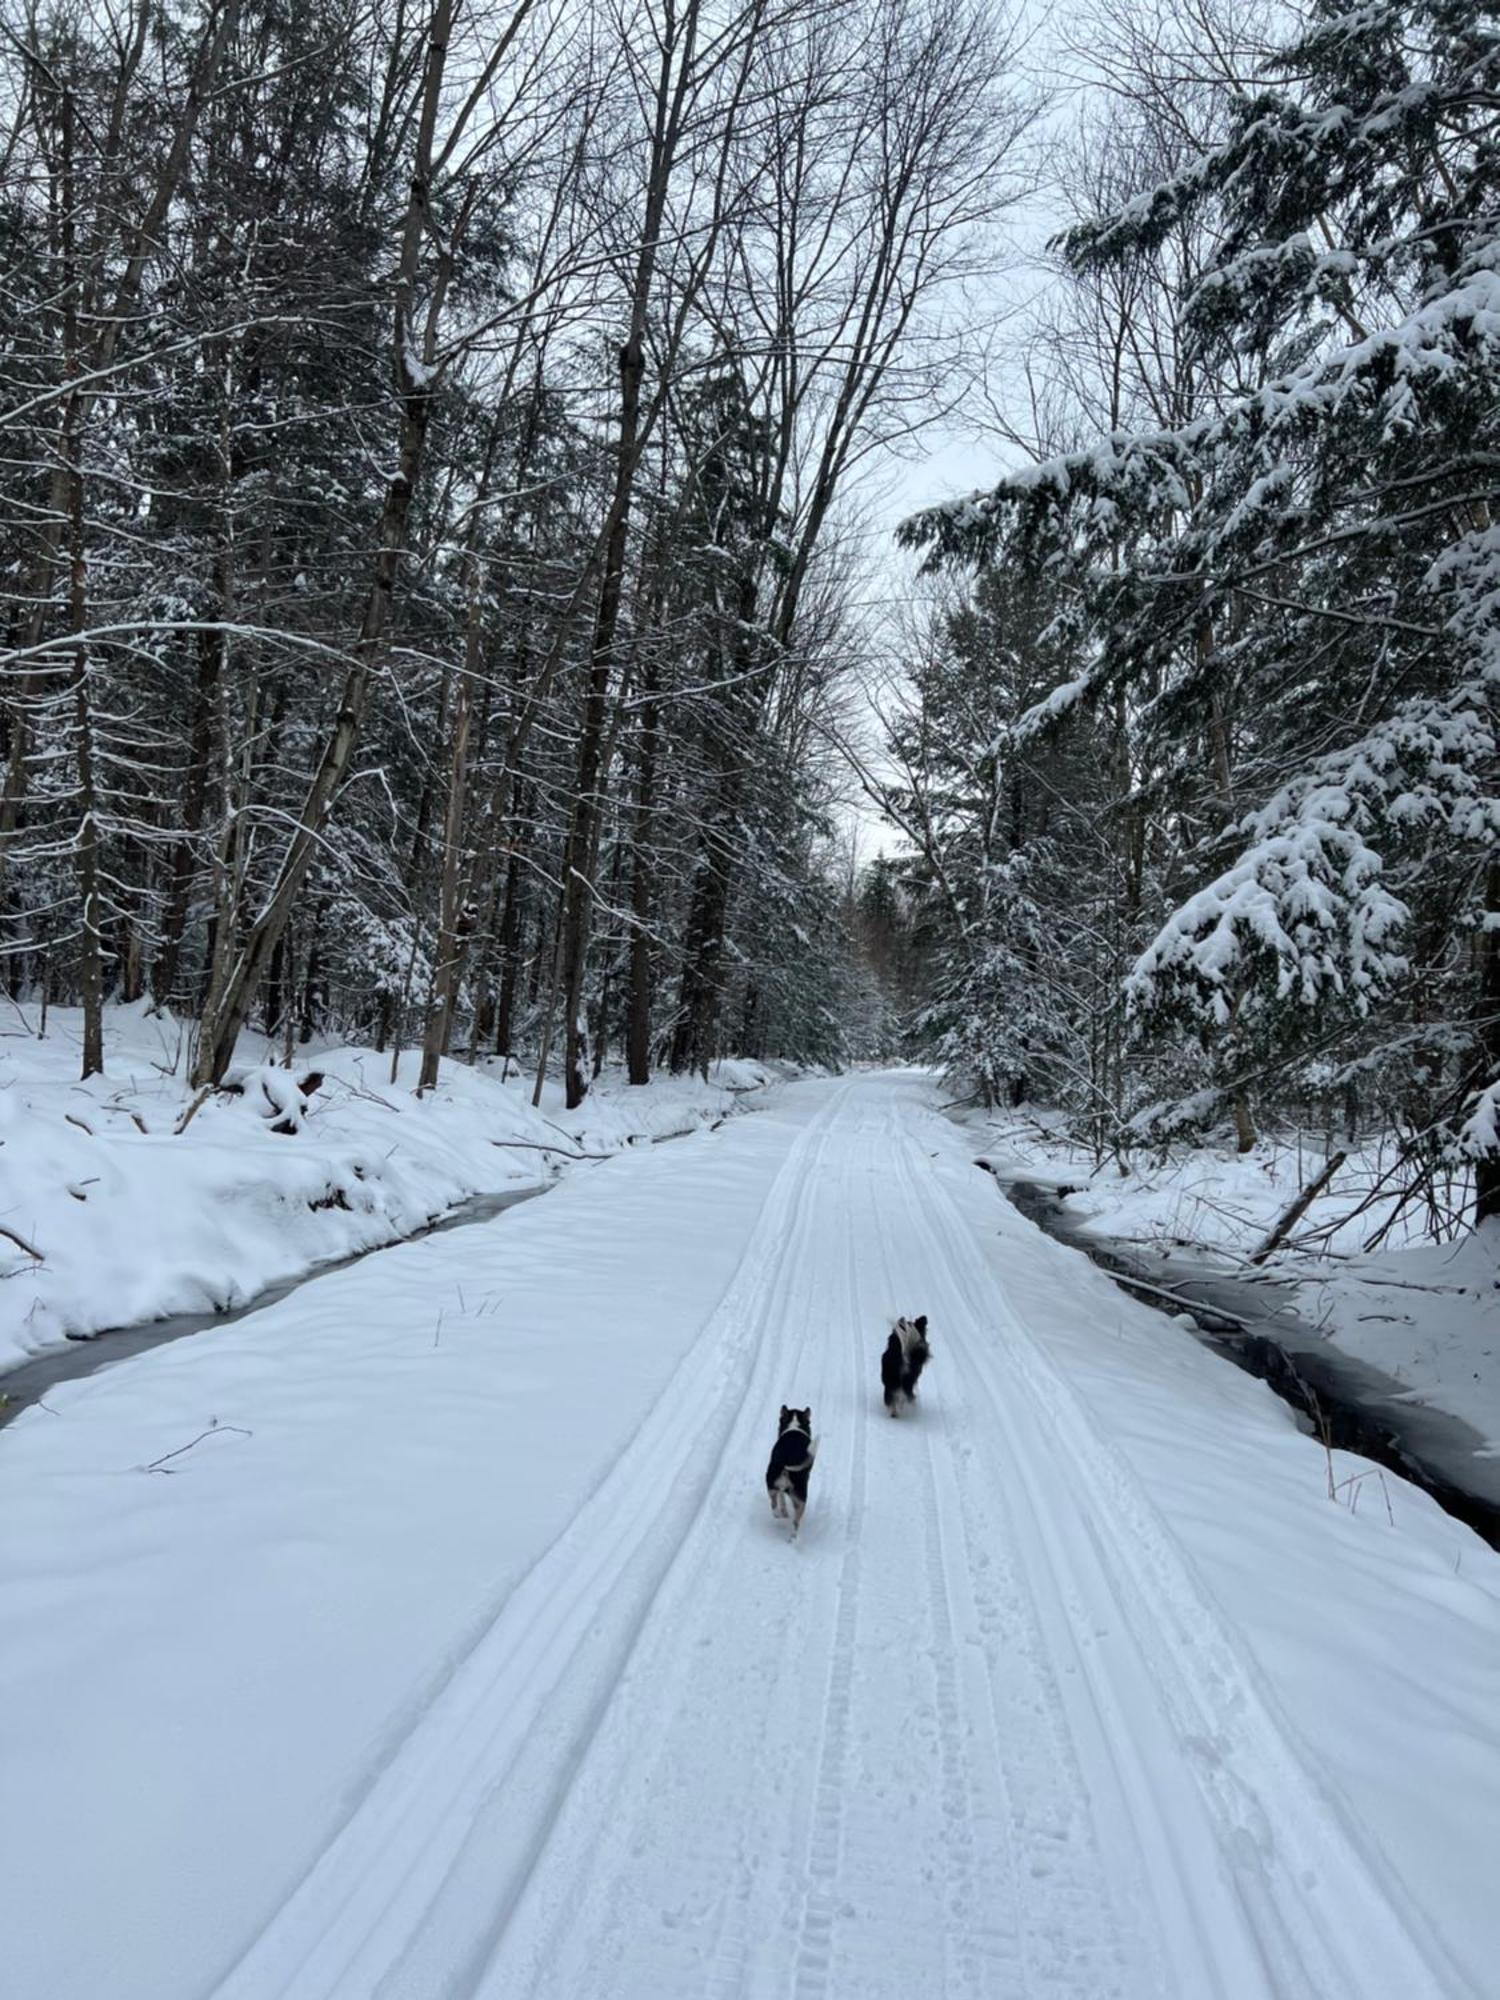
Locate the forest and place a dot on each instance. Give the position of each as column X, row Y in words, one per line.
column 439, row 601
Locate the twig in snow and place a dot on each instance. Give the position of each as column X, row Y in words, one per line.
column 1356, row 1481
column 192, row 1111
column 569, row 1136
column 1406, row 1285
column 531, row 1146
column 362, row 1089
column 215, row 1429
column 21, row 1243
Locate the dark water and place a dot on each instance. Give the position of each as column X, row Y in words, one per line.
column 1251, row 1323
column 27, row 1384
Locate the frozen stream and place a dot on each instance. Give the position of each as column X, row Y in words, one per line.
column 1343, row 1399
column 28, row 1384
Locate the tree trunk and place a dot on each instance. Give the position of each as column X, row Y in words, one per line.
column 1487, row 1171
column 578, row 893
column 677, row 58
column 638, row 1023
column 91, row 942
column 511, row 929
column 194, row 804
column 1244, row 1124
column 451, row 913
column 702, row 968
column 703, row 952
column 212, row 654
column 549, row 1010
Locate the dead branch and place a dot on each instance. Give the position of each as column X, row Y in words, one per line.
column 531, row 1146
column 215, row 1429
column 1297, row 1209
column 192, row 1111
column 21, row 1243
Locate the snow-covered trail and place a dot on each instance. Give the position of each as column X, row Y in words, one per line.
column 463, row 1660
column 980, row 1732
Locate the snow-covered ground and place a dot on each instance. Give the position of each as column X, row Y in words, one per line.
column 109, row 1214
column 1424, row 1311
column 428, row 1634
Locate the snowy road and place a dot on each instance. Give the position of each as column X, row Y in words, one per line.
column 988, row 1729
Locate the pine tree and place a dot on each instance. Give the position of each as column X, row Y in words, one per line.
column 1298, row 591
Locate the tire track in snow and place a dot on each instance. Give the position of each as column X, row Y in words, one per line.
column 887, row 1863
column 979, row 1876
column 1061, row 1930
column 1317, row 1915
column 825, row 1841
column 360, row 1905
column 1108, row 1700
column 571, row 1932
column 986, row 1951
column 910, row 1888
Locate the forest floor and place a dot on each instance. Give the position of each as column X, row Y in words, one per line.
column 113, row 1212
column 1422, row 1305
column 428, row 1633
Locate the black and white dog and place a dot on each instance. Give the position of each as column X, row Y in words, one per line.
column 792, row 1458
column 906, row 1355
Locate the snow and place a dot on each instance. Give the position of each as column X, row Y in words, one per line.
column 1423, row 1311
column 1306, row 904
column 1429, row 1316
column 419, row 374
column 461, row 1655
column 123, row 1218
column 1479, row 1136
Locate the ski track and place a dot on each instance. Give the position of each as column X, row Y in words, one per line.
column 979, row 1732
column 1304, row 1905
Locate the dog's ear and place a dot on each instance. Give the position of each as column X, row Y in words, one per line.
column 920, row 1322
column 785, row 1413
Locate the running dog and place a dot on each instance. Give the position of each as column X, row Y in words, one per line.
column 792, row 1458
column 906, row 1355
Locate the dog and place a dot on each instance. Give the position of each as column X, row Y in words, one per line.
column 906, row 1355
column 791, row 1463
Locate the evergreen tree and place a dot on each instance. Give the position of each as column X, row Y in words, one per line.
column 1297, row 593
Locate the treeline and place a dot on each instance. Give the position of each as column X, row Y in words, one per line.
column 425, row 431
column 1198, row 766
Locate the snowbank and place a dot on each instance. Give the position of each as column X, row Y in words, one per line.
column 1426, row 1312
column 113, row 1212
